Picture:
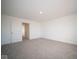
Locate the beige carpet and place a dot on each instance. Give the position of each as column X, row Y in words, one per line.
column 40, row 49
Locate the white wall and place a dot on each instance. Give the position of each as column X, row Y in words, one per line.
column 35, row 30
column 5, row 32
column 10, row 29
column 62, row 29
column 13, row 24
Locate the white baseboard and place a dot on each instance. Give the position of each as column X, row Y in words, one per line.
column 69, row 42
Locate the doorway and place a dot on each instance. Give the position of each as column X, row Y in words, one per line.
column 25, row 29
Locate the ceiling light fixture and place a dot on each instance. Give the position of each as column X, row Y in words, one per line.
column 41, row 12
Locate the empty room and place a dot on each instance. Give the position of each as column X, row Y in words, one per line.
column 38, row 29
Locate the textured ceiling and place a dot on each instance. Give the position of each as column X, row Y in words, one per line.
column 30, row 9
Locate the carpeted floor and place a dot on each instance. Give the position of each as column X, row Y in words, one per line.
column 40, row 49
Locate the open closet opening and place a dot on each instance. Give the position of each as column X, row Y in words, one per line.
column 25, row 29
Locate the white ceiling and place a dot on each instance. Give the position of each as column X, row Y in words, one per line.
column 30, row 9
